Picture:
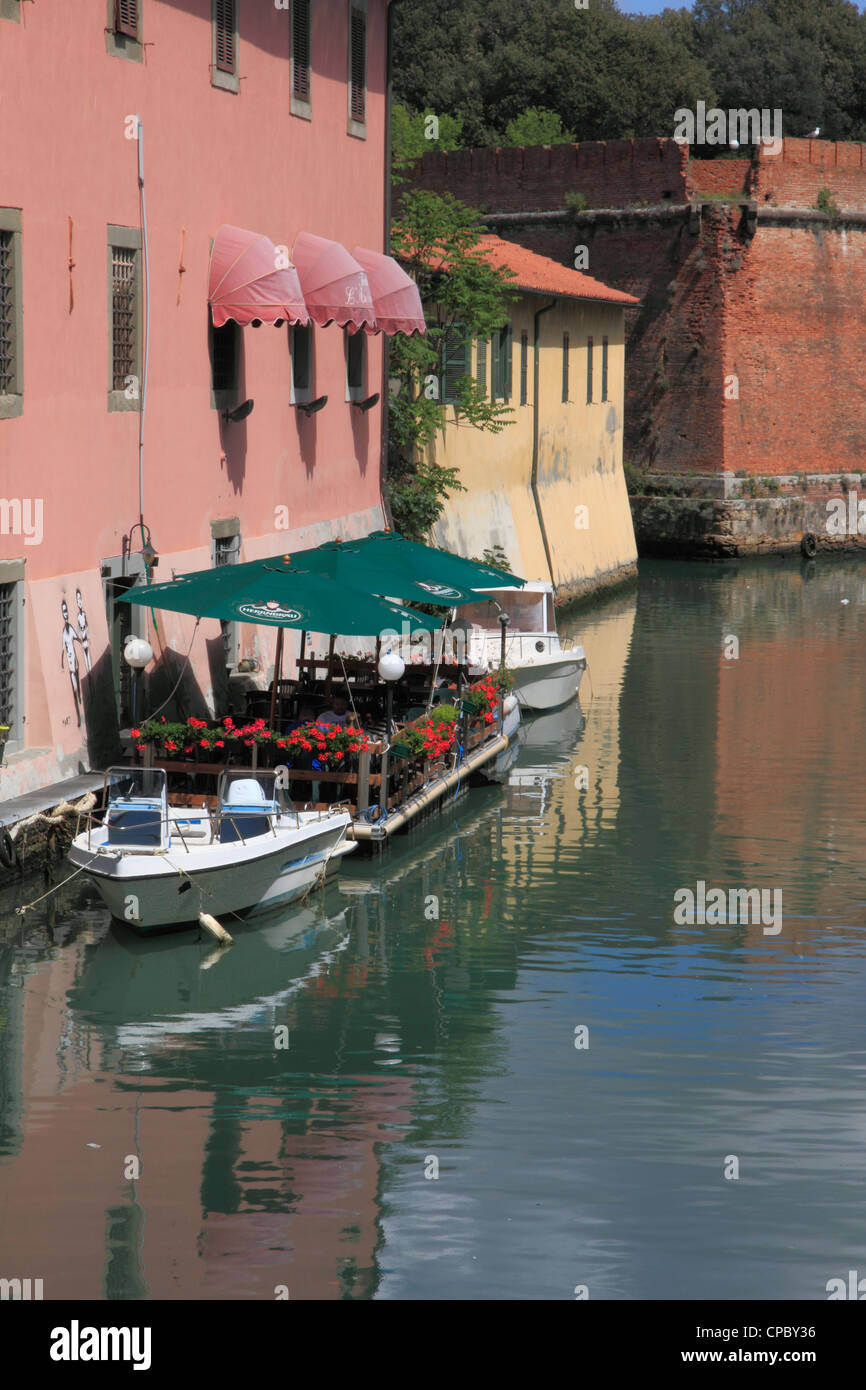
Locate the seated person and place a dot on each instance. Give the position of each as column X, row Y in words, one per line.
column 337, row 715
column 306, row 715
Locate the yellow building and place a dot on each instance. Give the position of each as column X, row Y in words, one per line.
column 549, row 489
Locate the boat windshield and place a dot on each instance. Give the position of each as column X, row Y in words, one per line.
column 135, row 783
column 266, row 787
column 526, row 611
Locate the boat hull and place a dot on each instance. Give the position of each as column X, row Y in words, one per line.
column 153, row 892
column 549, row 682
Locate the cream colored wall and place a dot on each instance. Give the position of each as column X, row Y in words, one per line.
column 579, row 464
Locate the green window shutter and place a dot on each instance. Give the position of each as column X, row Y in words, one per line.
column 604, row 369
column 506, row 353
column 589, row 371
column 456, row 363
column 481, row 364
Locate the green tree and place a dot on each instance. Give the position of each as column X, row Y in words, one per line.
column 537, row 126
column 414, row 134
column 438, row 240
column 605, row 74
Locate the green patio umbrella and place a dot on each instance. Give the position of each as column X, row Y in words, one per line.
column 384, row 563
column 278, row 595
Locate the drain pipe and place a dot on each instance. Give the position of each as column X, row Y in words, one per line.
column 545, row 308
column 386, row 242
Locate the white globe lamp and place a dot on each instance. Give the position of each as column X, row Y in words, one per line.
column 137, row 652
column 391, row 666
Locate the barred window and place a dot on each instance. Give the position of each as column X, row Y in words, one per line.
column 8, row 655
column 301, row 50
column 357, row 65
column 225, row 27
column 226, row 551
column 124, row 316
column 8, row 347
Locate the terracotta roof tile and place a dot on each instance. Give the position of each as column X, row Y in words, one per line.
column 540, row 275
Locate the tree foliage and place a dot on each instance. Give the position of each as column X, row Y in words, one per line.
column 438, row 240
column 608, row 75
column 537, row 126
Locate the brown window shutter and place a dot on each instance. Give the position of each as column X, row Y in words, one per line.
column 358, row 65
column 301, row 49
column 225, row 36
column 126, row 18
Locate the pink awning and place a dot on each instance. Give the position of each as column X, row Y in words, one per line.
column 250, row 281
column 395, row 295
column 334, row 284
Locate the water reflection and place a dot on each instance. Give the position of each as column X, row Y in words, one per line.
column 430, row 1003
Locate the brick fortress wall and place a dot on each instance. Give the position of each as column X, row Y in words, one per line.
column 777, row 300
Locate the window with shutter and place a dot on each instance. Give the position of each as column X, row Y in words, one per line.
column 481, row 364
column 8, row 287
column 301, row 49
column 7, row 654
column 456, row 363
column 565, row 366
column 524, row 361
column 501, row 383
column 589, row 371
column 225, row 21
column 357, row 65
column 604, row 369
column 126, row 18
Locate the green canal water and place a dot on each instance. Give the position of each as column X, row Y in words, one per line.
column 512, row 1069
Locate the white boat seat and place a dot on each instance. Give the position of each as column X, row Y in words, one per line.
column 246, row 791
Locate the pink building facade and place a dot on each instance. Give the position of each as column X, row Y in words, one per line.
column 266, row 115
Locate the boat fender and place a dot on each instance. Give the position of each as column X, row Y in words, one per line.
column 210, row 924
column 809, row 545
column 8, row 857
column 509, row 704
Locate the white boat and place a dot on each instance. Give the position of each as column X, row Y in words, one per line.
column 158, row 865
column 547, row 669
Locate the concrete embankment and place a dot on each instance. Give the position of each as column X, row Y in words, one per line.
column 695, row 524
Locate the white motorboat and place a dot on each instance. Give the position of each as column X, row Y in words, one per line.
column 159, row 865
column 547, row 669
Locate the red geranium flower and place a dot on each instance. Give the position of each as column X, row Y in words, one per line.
column 142, row 747
column 136, row 733
column 220, row 743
